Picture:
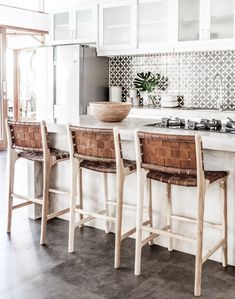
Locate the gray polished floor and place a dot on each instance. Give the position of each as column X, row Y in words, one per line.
column 28, row 270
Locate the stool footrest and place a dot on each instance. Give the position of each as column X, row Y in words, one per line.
column 59, row 213
column 125, row 206
column 194, row 221
column 213, row 250
column 33, row 200
column 66, row 193
column 168, row 234
column 154, row 235
column 95, row 215
column 21, row 205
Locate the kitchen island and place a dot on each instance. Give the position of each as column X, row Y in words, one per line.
column 219, row 155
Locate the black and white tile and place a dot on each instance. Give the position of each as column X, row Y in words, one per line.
column 190, row 75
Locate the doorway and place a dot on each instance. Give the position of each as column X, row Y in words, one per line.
column 17, row 76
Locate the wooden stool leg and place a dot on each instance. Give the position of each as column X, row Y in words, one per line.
column 139, row 221
column 45, row 204
column 223, row 186
column 79, row 174
column 118, row 228
column 106, row 206
column 198, row 261
column 169, row 212
column 73, row 181
column 11, row 160
column 150, row 209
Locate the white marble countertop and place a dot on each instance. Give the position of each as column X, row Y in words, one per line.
column 211, row 140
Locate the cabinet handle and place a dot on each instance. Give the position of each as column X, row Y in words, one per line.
column 208, row 34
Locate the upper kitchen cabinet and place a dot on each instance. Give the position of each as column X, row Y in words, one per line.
column 117, row 25
column 61, row 30
column 154, row 25
column 221, row 20
column 78, row 25
column 204, row 24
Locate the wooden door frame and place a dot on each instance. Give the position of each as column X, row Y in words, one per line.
column 3, row 94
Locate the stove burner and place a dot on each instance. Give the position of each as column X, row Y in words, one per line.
column 205, row 124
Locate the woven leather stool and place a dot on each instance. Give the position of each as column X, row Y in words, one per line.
column 178, row 160
column 28, row 140
column 98, row 150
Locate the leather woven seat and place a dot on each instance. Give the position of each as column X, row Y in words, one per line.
column 185, row 180
column 38, row 156
column 107, row 167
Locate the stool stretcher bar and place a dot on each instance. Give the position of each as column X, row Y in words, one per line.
column 168, row 234
column 194, row 221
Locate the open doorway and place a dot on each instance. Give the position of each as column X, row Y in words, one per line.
column 18, row 69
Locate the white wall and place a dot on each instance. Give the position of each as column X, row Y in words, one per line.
column 61, row 4
column 27, row 4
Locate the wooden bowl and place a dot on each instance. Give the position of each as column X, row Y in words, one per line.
column 110, row 111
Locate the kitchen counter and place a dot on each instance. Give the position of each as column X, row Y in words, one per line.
column 210, row 139
column 219, row 155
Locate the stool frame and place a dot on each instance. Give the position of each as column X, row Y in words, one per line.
column 48, row 162
column 202, row 187
column 121, row 173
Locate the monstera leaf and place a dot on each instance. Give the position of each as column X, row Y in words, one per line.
column 148, row 82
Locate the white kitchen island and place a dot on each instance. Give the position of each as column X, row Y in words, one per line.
column 219, row 155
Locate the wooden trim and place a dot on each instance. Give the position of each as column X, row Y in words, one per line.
column 16, row 74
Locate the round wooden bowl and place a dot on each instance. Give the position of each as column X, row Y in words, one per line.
column 110, row 111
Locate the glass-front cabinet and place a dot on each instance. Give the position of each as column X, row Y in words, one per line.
column 188, row 20
column 61, row 29
column 205, row 22
column 78, row 25
column 117, row 25
column 154, row 23
column 221, row 16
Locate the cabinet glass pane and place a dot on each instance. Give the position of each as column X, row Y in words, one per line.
column 189, row 20
column 61, row 26
column 153, row 21
column 117, row 25
column 222, row 19
column 84, row 24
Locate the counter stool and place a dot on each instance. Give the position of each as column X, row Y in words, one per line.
column 98, row 150
column 29, row 140
column 178, row 160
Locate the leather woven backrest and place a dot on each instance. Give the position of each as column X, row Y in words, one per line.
column 93, row 144
column 26, row 136
column 174, row 154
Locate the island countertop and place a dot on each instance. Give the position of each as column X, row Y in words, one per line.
column 211, row 140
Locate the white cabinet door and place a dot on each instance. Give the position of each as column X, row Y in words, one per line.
column 61, row 27
column 118, row 25
column 85, row 23
column 221, row 20
column 188, row 21
column 154, row 24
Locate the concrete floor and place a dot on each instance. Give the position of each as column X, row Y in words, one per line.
column 28, row 270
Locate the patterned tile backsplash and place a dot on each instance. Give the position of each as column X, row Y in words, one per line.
column 190, row 75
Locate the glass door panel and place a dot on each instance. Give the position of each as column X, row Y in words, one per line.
column 153, row 21
column 188, row 20
column 85, row 24
column 61, row 25
column 222, row 19
column 117, row 25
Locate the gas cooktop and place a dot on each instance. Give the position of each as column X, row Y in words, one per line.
column 201, row 125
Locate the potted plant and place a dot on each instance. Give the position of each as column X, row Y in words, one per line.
column 147, row 82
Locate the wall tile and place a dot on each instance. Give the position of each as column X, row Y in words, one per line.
column 190, row 74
